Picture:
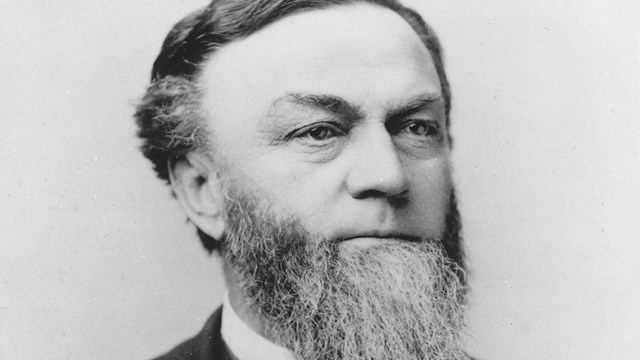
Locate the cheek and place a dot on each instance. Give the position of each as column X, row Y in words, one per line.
column 431, row 185
column 313, row 194
column 292, row 187
column 308, row 192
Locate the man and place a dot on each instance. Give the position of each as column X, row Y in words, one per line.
column 307, row 141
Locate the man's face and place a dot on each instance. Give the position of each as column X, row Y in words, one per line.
column 335, row 116
column 329, row 131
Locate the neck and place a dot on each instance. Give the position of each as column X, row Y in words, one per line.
column 240, row 305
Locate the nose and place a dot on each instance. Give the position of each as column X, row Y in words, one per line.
column 377, row 170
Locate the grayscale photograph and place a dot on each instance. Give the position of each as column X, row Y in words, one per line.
column 320, row 179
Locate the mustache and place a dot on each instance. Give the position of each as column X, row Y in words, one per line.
column 248, row 212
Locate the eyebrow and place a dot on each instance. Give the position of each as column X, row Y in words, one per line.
column 413, row 105
column 327, row 103
column 342, row 108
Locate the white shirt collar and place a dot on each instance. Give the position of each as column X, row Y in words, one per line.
column 244, row 342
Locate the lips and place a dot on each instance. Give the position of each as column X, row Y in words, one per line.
column 366, row 239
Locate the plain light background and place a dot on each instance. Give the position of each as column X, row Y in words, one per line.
column 97, row 261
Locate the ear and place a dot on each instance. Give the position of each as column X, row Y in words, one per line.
column 197, row 187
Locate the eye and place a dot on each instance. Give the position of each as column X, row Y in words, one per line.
column 421, row 128
column 322, row 132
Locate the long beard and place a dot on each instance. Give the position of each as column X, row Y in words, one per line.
column 325, row 301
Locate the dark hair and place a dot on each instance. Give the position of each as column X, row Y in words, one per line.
column 168, row 118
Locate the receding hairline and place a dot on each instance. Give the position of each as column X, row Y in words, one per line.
column 296, row 18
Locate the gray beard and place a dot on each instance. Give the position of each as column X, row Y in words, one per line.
column 326, row 301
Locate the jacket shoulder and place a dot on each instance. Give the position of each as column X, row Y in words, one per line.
column 206, row 345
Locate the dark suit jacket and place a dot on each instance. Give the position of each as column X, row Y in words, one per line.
column 207, row 345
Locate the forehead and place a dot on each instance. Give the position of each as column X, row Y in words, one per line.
column 360, row 52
